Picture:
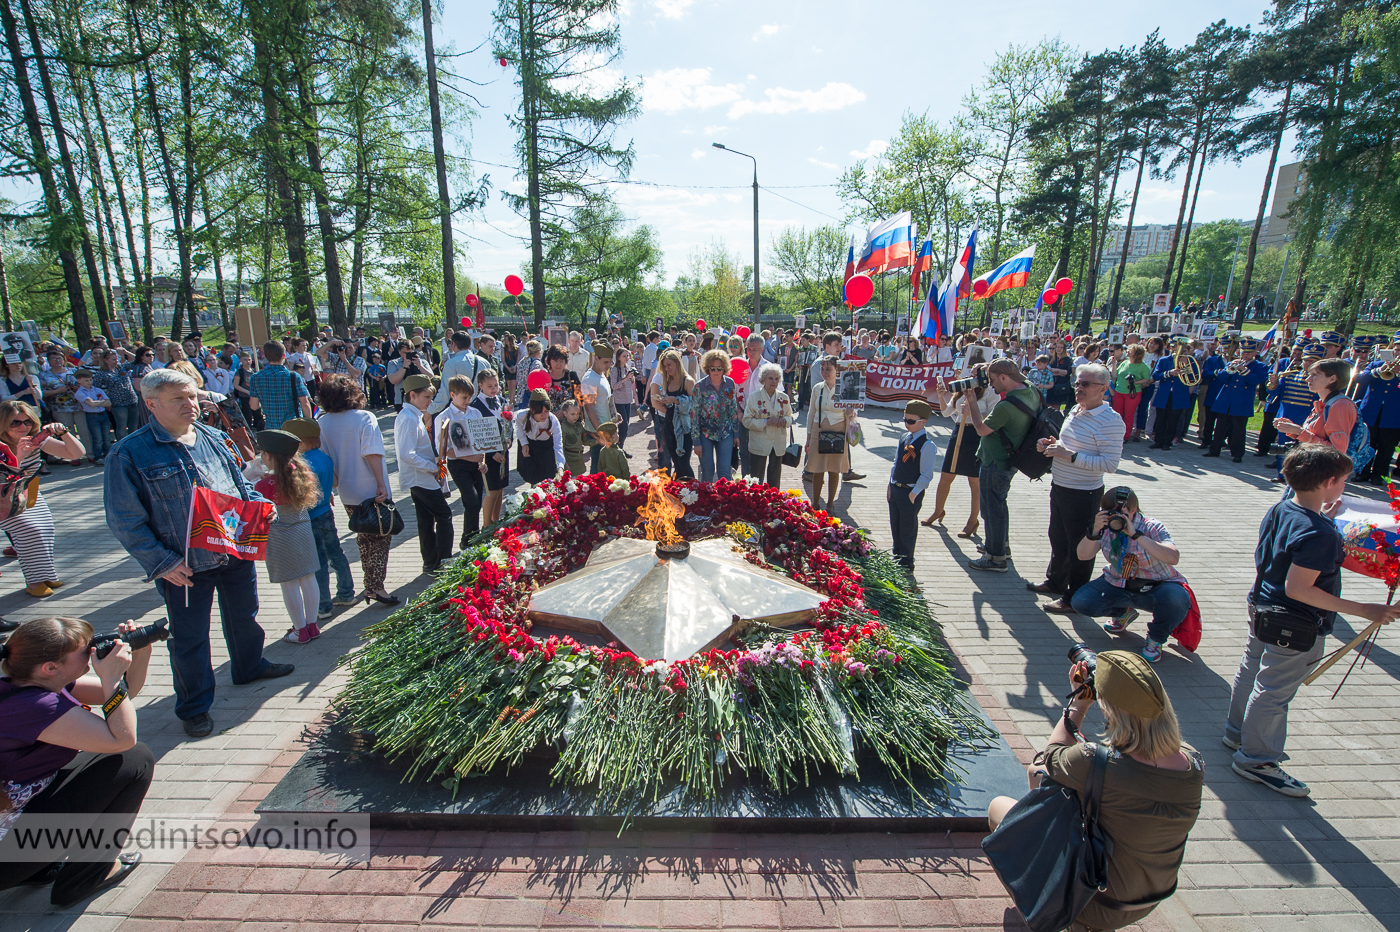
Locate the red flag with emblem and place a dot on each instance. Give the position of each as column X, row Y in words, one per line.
column 225, row 524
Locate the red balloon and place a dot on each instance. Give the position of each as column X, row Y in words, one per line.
column 472, row 300
column 742, row 332
column 1221, row 298
column 466, row 321
column 859, row 290
column 538, row 379
column 514, row 284
column 1064, row 286
column 1050, row 296
column 503, row 62
column 700, row 324
column 738, row 371
column 979, row 287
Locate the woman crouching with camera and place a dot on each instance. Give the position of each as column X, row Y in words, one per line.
column 58, row 758
column 1139, row 572
column 1151, row 790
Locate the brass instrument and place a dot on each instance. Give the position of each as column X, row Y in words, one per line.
column 1237, row 367
column 1188, row 367
column 1388, row 370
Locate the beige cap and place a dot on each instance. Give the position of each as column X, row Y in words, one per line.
column 1126, row 681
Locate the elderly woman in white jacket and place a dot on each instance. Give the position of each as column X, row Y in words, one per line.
column 767, row 415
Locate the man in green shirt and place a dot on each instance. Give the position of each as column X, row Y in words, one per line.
column 1009, row 422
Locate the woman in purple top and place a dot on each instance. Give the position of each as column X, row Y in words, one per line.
column 58, row 758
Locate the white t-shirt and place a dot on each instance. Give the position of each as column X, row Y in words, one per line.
column 348, row 437
column 649, row 357
column 600, row 385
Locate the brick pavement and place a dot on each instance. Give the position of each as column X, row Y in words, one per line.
column 1255, row 861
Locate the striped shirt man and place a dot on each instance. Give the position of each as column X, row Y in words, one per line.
column 1095, row 436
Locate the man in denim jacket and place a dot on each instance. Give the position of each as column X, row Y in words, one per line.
column 148, row 484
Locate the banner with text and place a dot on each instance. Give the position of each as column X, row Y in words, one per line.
column 890, row 386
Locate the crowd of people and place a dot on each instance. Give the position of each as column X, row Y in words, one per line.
column 293, row 422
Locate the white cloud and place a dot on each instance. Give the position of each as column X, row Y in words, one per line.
column 673, row 9
column 830, row 165
column 781, row 100
column 877, row 147
column 698, row 153
column 687, row 89
column 716, row 130
column 768, row 32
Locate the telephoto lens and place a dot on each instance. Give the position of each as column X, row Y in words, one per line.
column 141, row 637
column 1080, row 653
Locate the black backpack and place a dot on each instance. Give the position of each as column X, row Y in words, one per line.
column 1045, row 423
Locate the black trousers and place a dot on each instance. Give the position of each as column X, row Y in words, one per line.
column 904, row 524
column 1185, row 421
column 434, row 524
column 768, row 468
column 1164, row 428
column 471, row 485
column 1231, row 427
column 96, row 784
column 1384, row 439
column 1208, row 422
column 1268, row 433
column 1072, row 514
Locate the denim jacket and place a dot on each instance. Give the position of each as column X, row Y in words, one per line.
column 147, row 485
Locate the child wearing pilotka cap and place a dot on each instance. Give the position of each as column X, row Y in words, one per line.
column 611, row 461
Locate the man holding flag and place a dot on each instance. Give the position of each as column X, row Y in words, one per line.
column 149, row 487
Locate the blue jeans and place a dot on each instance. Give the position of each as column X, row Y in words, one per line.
column 329, row 552
column 97, row 429
column 624, row 419
column 1167, row 601
column 996, row 483
column 236, row 583
column 124, row 420
column 716, row 456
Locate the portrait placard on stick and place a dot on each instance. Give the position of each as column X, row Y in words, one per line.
column 850, row 383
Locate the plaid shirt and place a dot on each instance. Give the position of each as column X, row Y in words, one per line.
column 273, row 387
column 353, row 366
column 1127, row 559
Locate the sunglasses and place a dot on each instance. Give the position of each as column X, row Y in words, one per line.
column 1088, row 384
column 912, row 420
column 22, row 423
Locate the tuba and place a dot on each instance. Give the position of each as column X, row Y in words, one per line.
column 1188, row 367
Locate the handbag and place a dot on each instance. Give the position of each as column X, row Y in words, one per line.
column 378, row 519
column 792, row 456
column 1281, row 625
column 1049, row 851
column 829, row 441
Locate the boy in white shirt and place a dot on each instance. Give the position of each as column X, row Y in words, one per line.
column 95, row 404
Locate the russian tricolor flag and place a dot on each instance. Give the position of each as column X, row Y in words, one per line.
column 850, row 262
column 924, row 325
column 1049, row 285
column 1012, row 273
column 958, row 284
column 923, row 262
column 889, row 244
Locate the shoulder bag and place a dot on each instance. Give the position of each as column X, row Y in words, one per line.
column 828, row 441
column 1281, row 625
column 792, row 456
column 1049, row 851
column 378, row 519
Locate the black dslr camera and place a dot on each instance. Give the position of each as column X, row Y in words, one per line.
column 141, row 637
column 1081, row 653
column 978, row 379
column 1117, row 522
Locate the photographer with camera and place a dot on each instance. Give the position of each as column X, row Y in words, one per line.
column 1151, row 786
column 59, row 758
column 409, row 362
column 1139, row 572
column 1090, row 444
column 1002, row 432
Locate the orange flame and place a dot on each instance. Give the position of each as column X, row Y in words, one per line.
column 661, row 510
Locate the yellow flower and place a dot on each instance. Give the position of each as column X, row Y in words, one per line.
column 833, row 521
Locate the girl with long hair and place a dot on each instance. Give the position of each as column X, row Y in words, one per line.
column 27, row 518
column 291, row 485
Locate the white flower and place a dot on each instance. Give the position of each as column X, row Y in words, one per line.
column 539, row 514
column 497, row 556
column 689, row 496
column 645, row 479
column 619, row 485
column 571, row 487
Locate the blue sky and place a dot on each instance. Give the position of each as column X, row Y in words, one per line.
column 807, row 88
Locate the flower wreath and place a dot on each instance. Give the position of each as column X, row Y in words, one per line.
column 456, row 682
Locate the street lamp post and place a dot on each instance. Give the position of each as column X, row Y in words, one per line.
column 757, row 306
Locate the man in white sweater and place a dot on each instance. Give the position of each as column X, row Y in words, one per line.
column 1090, row 444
